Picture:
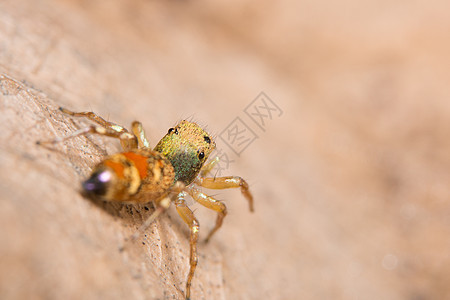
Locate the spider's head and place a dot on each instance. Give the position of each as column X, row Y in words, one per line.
column 187, row 147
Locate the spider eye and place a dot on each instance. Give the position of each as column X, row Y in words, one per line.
column 201, row 155
column 172, row 129
column 207, row 139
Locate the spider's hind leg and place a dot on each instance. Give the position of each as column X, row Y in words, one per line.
column 95, row 118
column 128, row 140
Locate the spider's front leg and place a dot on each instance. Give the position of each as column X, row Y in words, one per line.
column 226, row 182
column 188, row 217
column 210, row 203
column 218, row 183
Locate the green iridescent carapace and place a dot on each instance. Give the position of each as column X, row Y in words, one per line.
column 187, row 147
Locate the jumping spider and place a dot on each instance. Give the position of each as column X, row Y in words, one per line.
column 166, row 174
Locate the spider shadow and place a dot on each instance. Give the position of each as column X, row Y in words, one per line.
column 132, row 214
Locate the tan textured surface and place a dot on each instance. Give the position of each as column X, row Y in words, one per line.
column 351, row 182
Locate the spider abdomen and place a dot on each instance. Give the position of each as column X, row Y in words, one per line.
column 137, row 176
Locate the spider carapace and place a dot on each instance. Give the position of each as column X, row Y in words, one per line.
column 164, row 175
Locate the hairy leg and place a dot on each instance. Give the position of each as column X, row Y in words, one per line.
column 95, row 118
column 138, row 131
column 208, row 167
column 210, row 203
column 227, row 183
column 188, row 217
column 127, row 140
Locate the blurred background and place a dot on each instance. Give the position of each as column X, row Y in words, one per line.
column 337, row 114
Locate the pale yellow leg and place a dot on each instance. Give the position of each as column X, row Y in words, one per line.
column 210, row 203
column 226, row 183
column 138, row 131
column 95, row 118
column 127, row 140
column 137, row 128
column 188, row 217
column 208, row 167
